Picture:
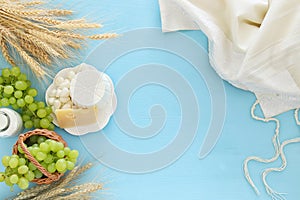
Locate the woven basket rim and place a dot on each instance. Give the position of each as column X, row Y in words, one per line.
column 43, row 132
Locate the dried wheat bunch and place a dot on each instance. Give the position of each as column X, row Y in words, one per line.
column 40, row 37
column 64, row 189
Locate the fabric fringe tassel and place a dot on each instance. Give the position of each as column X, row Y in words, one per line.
column 279, row 152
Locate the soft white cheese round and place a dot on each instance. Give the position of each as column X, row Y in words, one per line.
column 90, row 87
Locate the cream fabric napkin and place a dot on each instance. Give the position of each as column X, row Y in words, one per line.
column 253, row 44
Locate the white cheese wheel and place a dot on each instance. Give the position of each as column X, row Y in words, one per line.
column 90, row 87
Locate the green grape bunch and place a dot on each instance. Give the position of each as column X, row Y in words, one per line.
column 16, row 91
column 51, row 154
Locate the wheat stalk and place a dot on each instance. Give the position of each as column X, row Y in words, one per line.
column 40, row 37
column 5, row 52
column 32, row 3
column 36, row 51
column 62, row 189
column 82, row 190
column 76, row 25
column 34, row 65
column 102, row 36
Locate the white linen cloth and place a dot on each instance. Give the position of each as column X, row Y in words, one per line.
column 253, row 44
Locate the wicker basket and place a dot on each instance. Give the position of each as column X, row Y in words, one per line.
column 43, row 132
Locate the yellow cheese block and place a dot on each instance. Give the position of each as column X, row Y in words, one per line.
column 68, row 118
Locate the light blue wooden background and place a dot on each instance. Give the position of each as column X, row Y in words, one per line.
column 218, row 176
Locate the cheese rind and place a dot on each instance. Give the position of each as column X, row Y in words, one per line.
column 68, row 118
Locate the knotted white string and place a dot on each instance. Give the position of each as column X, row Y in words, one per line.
column 275, row 141
column 278, row 152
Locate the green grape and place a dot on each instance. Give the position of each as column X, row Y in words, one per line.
column 20, row 149
column 49, row 111
column 5, row 161
column 35, row 150
column 2, row 176
column 36, row 123
column 14, row 178
column 32, row 107
column 70, row 165
column 7, row 80
column 9, row 171
column 50, row 118
column 28, row 112
column 49, row 159
column 29, row 175
column 73, row 154
column 51, row 168
column 51, row 127
column 45, row 165
column 31, row 166
column 41, row 113
column 12, row 100
column 60, row 153
column 73, row 160
column 6, row 95
column 30, row 149
column 32, row 92
column 1, row 80
column 13, row 162
column 40, row 156
column 15, row 71
column 41, row 104
column 48, row 141
column 22, row 77
column 22, row 169
column 5, row 102
column 18, row 94
column 15, row 156
column 28, row 82
column 23, row 183
column 33, row 139
column 38, row 173
column 55, row 158
column 35, row 145
column 7, row 181
column 8, row 89
column 25, row 118
column 22, row 161
column 52, row 145
column 21, row 103
column 28, row 99
column 44, row 123
column 6, row 72
column 67, row 150
column 61, row 165
column 15, row 106
column 28, row 124
column 41, row 139
column 60, row 146
column 21, row 85
column 44, row 147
